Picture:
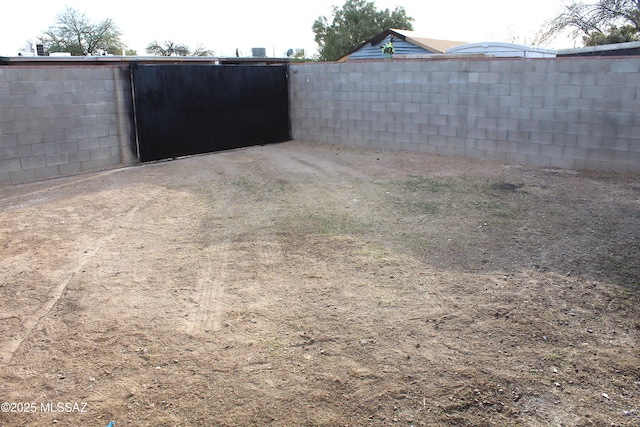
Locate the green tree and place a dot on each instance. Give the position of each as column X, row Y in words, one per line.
column 73, row 32
column 599, row 22
column 626, row 33
column 355, row 23
column 169, row 48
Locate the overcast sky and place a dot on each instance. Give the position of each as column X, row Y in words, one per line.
column 277, row 25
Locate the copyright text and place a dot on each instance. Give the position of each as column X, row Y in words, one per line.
column 27, row 407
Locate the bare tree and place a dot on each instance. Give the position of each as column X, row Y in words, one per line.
column 202, row 51
column 168, row 48
column 590, row 19
column 73, row 32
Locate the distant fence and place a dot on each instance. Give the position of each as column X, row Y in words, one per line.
column 573, row 113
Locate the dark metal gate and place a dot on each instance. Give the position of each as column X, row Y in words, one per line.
column 192, row 109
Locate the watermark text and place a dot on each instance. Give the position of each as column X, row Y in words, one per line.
column 28, row 407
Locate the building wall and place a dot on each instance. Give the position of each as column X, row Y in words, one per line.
column 574, row 113
column 57, row 120
column 401, row 47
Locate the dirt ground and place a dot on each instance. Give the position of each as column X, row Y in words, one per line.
column 302, row 284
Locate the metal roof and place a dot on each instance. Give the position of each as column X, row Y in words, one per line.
column 616, row 49
column 502, row 50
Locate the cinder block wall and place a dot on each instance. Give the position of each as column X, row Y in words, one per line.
column 573, row 113
column 57, row 121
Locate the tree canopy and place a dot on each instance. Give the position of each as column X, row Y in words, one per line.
column 169, row 48
column 202, row 51
column 73, row 32
column 353, row 24
column 597, row 22
column 614, row 34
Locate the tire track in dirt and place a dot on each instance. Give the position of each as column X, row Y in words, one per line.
column 30, row 324
column 6, row 202
column 311, row 167
column 209, row 291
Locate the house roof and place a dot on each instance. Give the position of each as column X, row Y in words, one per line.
column 502, row 50
column 616, row 49
column 428, row 44
column 432, row 45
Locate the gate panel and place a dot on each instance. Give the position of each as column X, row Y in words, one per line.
column 192, row 109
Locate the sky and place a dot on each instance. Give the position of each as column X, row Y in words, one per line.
column 276, row 25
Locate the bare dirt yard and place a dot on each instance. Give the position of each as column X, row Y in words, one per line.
column 302, row 284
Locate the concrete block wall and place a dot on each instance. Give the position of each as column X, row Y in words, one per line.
column 57, row 121
column 572, row 113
